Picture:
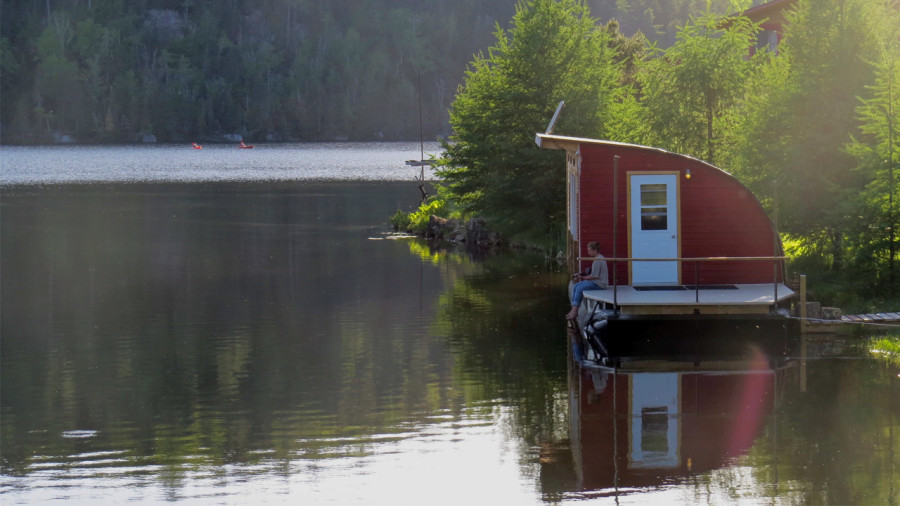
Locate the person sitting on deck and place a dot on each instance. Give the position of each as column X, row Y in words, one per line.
column 595, row 278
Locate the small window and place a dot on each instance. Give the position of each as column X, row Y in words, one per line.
column 654, row 218
column 654, row 214
column 653, row 195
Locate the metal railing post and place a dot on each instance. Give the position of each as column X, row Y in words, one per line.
column 615, row 216
column 696, row 281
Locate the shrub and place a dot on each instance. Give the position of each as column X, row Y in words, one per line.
column 400, row 221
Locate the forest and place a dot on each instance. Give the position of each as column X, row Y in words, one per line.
column 267, row 70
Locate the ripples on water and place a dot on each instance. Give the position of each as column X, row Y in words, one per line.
column 166, row 338
column 215, row 162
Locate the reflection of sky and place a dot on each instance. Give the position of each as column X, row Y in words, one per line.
column 468, row 460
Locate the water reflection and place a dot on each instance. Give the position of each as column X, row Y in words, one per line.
column 803, row 429
column 194, row 342
column 651, row 423
column 237, row 343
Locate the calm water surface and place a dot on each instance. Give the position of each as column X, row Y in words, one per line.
column 215, row 162
column 222, row 341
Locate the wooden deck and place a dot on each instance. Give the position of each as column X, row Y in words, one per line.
column 680, row 299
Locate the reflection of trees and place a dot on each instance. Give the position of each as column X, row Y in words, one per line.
column 194, row 326
column 503, row 320
column 195, row 323
column 838, row 443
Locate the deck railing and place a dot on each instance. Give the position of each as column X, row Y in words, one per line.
column 776, row 261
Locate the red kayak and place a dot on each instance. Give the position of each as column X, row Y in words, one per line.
column 245, row 146
column 196, row 146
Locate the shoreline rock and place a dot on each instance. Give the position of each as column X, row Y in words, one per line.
column 474, row 232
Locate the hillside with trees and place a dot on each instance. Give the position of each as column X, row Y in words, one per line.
column 277, row 70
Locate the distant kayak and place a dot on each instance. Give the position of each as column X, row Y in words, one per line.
column 245, row 146
column 196, row 146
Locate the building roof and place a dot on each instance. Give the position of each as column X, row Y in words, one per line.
column 773, row 11
column 550, row 141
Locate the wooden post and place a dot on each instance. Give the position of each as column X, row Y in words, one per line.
column 803, row 321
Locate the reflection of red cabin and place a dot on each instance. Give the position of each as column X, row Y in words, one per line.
column 647, row 428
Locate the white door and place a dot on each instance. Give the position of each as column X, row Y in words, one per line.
column 654, row 227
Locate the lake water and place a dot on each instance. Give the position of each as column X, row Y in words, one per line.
column 175, row 333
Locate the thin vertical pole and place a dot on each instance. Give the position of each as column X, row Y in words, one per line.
column 615, row 219
column 775, row 242
column 696, row 282
column 615, row 452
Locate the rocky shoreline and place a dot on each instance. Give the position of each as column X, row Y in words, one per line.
column 473, row 232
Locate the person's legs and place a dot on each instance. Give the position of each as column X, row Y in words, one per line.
column 577, row 295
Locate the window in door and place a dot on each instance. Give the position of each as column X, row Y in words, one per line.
column 654, row 199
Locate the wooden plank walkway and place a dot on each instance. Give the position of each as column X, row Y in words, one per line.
column 871, row 318
column 817, row 326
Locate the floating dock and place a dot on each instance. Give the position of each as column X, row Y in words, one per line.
column 822, row 325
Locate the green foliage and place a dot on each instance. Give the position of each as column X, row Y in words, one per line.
column 877, row 155
column 888, row 346
column 799, row 115
column 400, row 221
column 693, row 90
column 418, row 219
column 553, row 51
column 661, row 21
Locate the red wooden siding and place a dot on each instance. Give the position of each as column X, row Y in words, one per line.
column 718, row 215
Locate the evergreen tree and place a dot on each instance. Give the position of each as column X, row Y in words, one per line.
column 554, row 51
column 799, row 117
column 692, row 90
column 877, row 154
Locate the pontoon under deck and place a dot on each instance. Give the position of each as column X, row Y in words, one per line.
column 739, row 299
column 686, row 320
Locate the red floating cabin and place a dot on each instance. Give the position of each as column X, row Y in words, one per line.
column 686, row 243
